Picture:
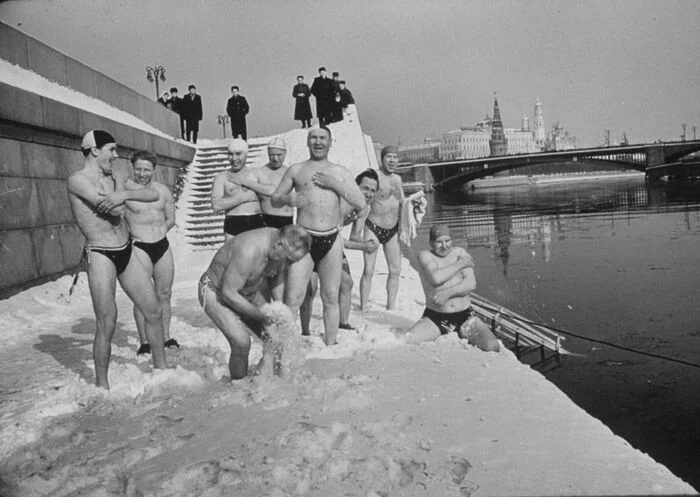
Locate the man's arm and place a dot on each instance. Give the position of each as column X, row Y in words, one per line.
column 341, row 182
column 246, row 106
column 221, row 203
column 439, row 275
column 168, row 208
column 459, row 289
column 282, row 195
column 254, row 183
column 234, row 279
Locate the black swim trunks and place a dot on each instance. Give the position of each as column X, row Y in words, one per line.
column 448, row 321
column 120, row 256
column 155, row 250
column 235, row 225
column 273, row 221
column 383, row 234
column 321, row 244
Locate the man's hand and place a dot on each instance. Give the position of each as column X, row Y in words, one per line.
column 108, row 202
column 370, row 247
column 439, row 298
column 325, row 180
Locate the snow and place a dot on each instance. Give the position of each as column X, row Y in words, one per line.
column 371, row 416
column 24, row 79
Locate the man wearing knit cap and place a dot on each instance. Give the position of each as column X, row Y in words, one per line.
column 382, row 225
column 264, row 181
column 97, row 197
column 447, row 276
column 228, row 194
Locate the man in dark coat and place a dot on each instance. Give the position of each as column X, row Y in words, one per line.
column 174, row 104
column 191, row 112
column 336, row 111
column 322, row 90
column 345, row 96
column 237, row 108
column 302, row 109
column 164, row 99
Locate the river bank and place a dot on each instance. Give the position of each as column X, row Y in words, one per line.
column 370, row 416
column 548, row 179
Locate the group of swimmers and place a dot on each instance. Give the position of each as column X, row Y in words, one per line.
column 267, row 255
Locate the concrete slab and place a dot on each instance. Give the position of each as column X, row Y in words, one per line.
column 13, row 45
column 72, row 243
column 143, row 140
column 19, row 198
column 109, row 90
column 10, row 157
column 47, row 250
column 17, row 263
column 40, row 161
column 60, row 117
column 70, row 161
column 122, row 133
column 20, row 106
column 81, row 77
column 53, row 198
column 90, row 121
column 44, row 60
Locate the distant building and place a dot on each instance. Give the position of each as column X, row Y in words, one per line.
column 428, row 151
column 466, row 143
column 559, row 139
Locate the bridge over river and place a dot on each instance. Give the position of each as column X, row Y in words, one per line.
column 655, row 159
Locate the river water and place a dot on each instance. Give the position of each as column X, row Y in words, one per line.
column 616, row 260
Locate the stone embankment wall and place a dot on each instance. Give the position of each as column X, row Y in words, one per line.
column 40, row 148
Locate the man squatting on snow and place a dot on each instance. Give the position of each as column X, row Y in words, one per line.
column 97, row 199
column 447, row 276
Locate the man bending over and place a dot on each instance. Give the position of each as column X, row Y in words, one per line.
column 244, row 274
column 447, row 276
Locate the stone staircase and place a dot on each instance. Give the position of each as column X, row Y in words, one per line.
column 202, row 226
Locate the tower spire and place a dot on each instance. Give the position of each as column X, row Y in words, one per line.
column 498, row 143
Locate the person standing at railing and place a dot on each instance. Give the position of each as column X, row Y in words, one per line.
column 191, row 112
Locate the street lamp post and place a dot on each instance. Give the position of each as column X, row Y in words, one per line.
column 155, row 73
column 223, row 119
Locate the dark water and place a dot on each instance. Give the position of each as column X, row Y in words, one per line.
column 617, row 260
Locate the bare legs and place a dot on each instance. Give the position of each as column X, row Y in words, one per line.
column 102, row 277
column 163, row 274
column 392, row 252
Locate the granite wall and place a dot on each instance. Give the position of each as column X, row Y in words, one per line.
column 40, row 148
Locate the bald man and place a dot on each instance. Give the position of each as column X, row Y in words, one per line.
column 264, row 180
column 240, row 203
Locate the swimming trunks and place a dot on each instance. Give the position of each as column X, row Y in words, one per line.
column 235, row 225
column 448, row 321
column 155, row 250
column 383, row 234
column 273, row 221
column 321, row 244
column 120, row 256
column 205, row 283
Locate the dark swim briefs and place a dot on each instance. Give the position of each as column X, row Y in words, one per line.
column 448, row 321
column 321, row 244
column 155, row 250
column 383, row 234
column 273, row 221
column 235, row 225
column 120, row 256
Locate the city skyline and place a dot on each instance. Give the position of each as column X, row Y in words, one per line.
column 415, row 69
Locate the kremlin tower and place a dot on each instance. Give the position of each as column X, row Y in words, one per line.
column 498, row 143
column 540, row 135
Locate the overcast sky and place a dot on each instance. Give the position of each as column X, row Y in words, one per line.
column 416, row 68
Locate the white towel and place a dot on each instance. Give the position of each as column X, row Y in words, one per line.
column 412, row 212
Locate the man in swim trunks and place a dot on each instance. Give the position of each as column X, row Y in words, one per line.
column 368, row 182
column 264, row 180
column 447, row 276
column 240, row 204
column 318, row 211
column 149, row 222
column 245, row 273
column 382, row 225
column 97, row 199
